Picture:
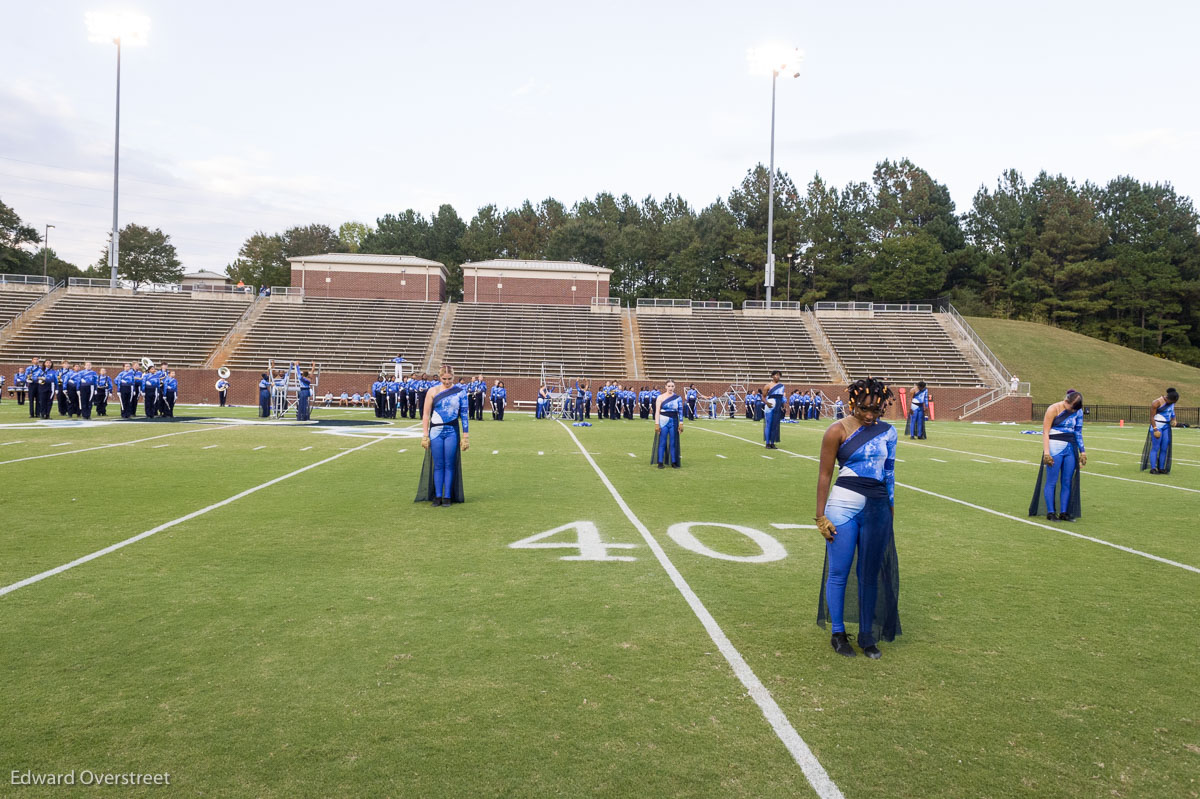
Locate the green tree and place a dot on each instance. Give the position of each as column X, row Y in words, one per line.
column 481, row 241
column 56, row 268
column 399, row 234
column 14, row 235
column 261, row 262
column 352, row 234
column 143, row 256
column 444, row 244
column 313, row 239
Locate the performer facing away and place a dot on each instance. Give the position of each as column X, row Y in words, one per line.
column 918, row 412
column 1157, row 452
column 856, row 514
column 441, row 473
column 1062, row 458
column 668, row 414
column 776, row 396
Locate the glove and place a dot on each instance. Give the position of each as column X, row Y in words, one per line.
column 1083, row 459
column 826, row 528
column 1158, row 434
column 1047, row 459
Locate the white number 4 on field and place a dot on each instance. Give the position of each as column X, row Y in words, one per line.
column 587, row 541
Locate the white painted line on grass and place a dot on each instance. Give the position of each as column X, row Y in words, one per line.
column 1106, row 463
column 939, row 460
column 630, row 454
column 8, row 589
column 495, row 452
column 160, row 446
column 976, row 460
column 540, row 452
column 793, row 526
column 211, row 446
column 722, row 457
column 256, row 449
column 118, row 444
column 306, row 449
column 402, row 451
column 1006, row 515
column 62, row 444
column 6, row 443
column 813, row 770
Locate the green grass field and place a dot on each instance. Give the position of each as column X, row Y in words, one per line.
column 324, row 636
column 1054, row 360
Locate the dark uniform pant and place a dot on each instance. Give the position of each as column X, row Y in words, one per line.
column 167, row 404
column 85, row 400
column 151, row 403
column 101, row 401
column 45, row 400
column 222, row 395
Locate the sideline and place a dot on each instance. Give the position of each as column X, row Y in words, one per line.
column 817, row 777
column 118, row 444
column 120, row 544
column 1001, row 514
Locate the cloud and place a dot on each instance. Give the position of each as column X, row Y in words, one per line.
column 524, row 89
column 1154, row 139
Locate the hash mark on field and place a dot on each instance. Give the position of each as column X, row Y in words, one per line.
column 768, row 457
column 794, row 526
column 979, row 461
column 256, row 449
column 722, row 457
column 540, row 452
column 6, row 443
column 399, row 450
column 1106, row 463
column 160, row 446
column 63, row 444
column 495, row 452
column 306, row 449
column 939, row 460
column 210, row 446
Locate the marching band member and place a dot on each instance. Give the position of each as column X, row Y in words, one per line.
column 68, row 390
column 856, row 514
column 499, row 400
column 918, row 410
column 543, row 398
column 441, row 472
column 392, row 392
column 794, row 405
column 47, row 385
column 303, row 394
column 138, row 376
column 773, row 413
column 125, row 390
column 732, row 399
column 32, row 372
column 104, row 387
column 151, row 387
column 839, row 410
column 668, row 413
column 19, row 385
column 222, row 390
column 264, row 396
column 377, row 388
column 87, row 389
column 1, row 388
column 1062, row 457
column 169, row 391
column 1156, row 454
column 690, row 397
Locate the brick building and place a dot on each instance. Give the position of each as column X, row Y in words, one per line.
column 537, row 282
column 364, row 275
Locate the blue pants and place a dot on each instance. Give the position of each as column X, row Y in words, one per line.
column 1159, row 449
column 1064, row 470
column 841, row 554
column 302, row 406
column 444, row 449
column 668, row 443
column 264, row 403
column 771, row 424
column 916, row 423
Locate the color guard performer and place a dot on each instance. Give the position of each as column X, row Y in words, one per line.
column 668, row 418
column 441, row 473
column 918, row 412
column 1156, row 454
column 776, row 395
column 1063, row 457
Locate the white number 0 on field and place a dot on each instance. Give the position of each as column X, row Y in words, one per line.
column 587, row 541
column 592, row 547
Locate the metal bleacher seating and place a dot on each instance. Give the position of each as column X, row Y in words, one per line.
column 720, row 345
column 13, row 302
column 342, row 335
column 111, row 329
column 514, row 340
column 900, row 348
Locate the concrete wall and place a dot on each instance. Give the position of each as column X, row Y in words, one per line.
column 390, row 285
column 492, row 288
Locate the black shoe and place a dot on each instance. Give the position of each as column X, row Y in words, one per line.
column 1051, row 517
column 674, row 465
column 1154, row 471
column 1066, row 517
column 662, row 466
column 446, row 503
column 872, row 652
column 437, row 501
column 841, row 645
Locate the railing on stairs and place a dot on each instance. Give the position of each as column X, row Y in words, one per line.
column 1002, row 379
column 238, row 327
column 826, row 346
column 8, row 328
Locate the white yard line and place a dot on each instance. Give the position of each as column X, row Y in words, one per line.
column 62, row 444
column 722, row 457
column 108, row 446
column 939, row 460
column 160, row 446
column 813, row 770
column 1001, row 514
column 211, row 446
column 256, row 449
column 1089, row 436
column 113, row 548
column 7, row 443
column 306, row 449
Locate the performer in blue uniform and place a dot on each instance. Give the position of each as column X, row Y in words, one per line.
column 303, row 394
column 587, row 400
column 152, row 388
column 222, row 390
column 1062, row 459
column 48, row 387
column 543, row 403
column 690, row 397
column 499, row 399
column 87, row 389
column 668, row 418
column 776, row 395
column 104, row 388
column 1157, row 453
column 856, row 515
column 169, row 390
column 138, row 376
column 441, row 473
column 19, row 385
column 68, row 390
column 731, row 398
column 839, row 410
column 917, row 412
column 264, row 396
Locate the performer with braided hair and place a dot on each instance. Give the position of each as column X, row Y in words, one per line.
column 776, row 395
column 856, row 515
column 1157, row 453
column 668, row 418
column 1062, row 458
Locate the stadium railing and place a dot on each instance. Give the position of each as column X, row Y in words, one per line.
column 26, row 280
column 782, row 305
column 200, row 289
column 615, row 301
column 1003, row 377
column 12, row 323
column 842, row 306
column 657, row 302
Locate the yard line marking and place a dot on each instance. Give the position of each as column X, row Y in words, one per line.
column 210, row 446
column 768, row 457
column 814, row 772
column 306, row 449
column 939, row 460
column 6, row 443
column 120, row 544
column 540, row 452
column 256, row 449
column 61, row 444
column 722, row 457
column 794, row 526
column 976, row 460
column 160, row 446
column 1093, row 449
column 108, row 446
column 1030, row 522
column 1106, row 463
column 399, row 450
column 495, row 452
column 630, row 454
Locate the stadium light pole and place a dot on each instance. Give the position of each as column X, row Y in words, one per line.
column 46, row 249
column 778, row 59
column 131, row 29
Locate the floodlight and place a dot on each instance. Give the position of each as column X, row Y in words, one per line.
column 113, row 26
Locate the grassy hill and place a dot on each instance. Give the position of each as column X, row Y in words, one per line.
column 1054, row 360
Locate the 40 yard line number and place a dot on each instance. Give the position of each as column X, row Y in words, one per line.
column 592, row 547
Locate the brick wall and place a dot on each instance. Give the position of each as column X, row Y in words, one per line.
column 369, row 285
column 198, row 386
column 540, row 291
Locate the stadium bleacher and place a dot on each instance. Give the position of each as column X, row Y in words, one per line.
column 900, row 348
column 720, row 345
column 513, row 340
column 110, row 329
column 343, row 335
column 13, row 302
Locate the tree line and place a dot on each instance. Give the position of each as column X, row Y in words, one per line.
column 1119, row 261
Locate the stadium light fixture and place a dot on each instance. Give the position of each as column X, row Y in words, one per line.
column 778, row 60
column 119, row 28
column 46, row 249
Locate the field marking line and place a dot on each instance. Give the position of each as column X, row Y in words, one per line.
column 62, row 444
column 722, row 457
column 211, row 446
column 7, row 443
column 976, row 460
column 1032, row 463
column 256, row 449
column 540, row 452
column 793, row 526
column 495, row 452
column 108, row 446
column 1003, row 515
column 306, row 449
column 168, row 525
column 768, row 457
column 630, row 454
column 160, row 446
column 939, row 460
column 814, row 772
column 1183, row 461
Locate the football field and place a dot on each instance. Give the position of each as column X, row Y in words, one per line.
column 261, row 610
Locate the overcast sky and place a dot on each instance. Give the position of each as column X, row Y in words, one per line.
column 245, row 116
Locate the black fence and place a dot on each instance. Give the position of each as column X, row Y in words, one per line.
column 1131, row 414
